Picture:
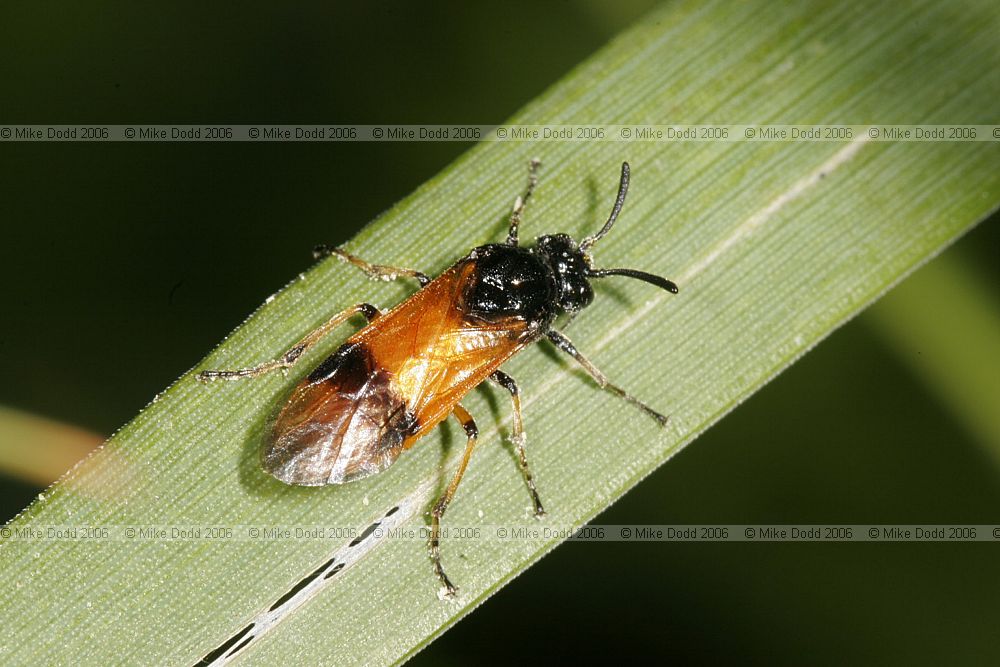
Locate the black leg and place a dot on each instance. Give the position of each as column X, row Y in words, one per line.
column 469, row 424
column 374, row 271
column 515, row 215
column 567, row 346
column 288, row 359
column 518, row 437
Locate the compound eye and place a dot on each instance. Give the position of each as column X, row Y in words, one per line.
column 576, row 295
column 586, row 295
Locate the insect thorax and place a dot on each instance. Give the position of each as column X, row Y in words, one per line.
column 511, row 282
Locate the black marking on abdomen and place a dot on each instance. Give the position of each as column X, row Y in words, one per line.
column 343, row 422
column 352, row 364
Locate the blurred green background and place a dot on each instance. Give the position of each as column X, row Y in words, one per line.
column 125, row 263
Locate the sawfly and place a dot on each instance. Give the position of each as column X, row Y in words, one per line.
column 404, row 373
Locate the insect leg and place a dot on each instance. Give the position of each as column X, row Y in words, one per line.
column 515, row 215
column 374, row 271
column 567, row 346
column 469, row 424
column 288, row 359
column 517, row 436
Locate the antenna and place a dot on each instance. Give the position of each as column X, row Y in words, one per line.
column 586, row 244
column 638, row 275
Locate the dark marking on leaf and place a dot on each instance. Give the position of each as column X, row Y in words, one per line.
column 365, row 535
column 219, row 652
column 302, row 584
column 340, row 566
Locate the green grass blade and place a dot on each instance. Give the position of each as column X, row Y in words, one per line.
column 773, row 245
